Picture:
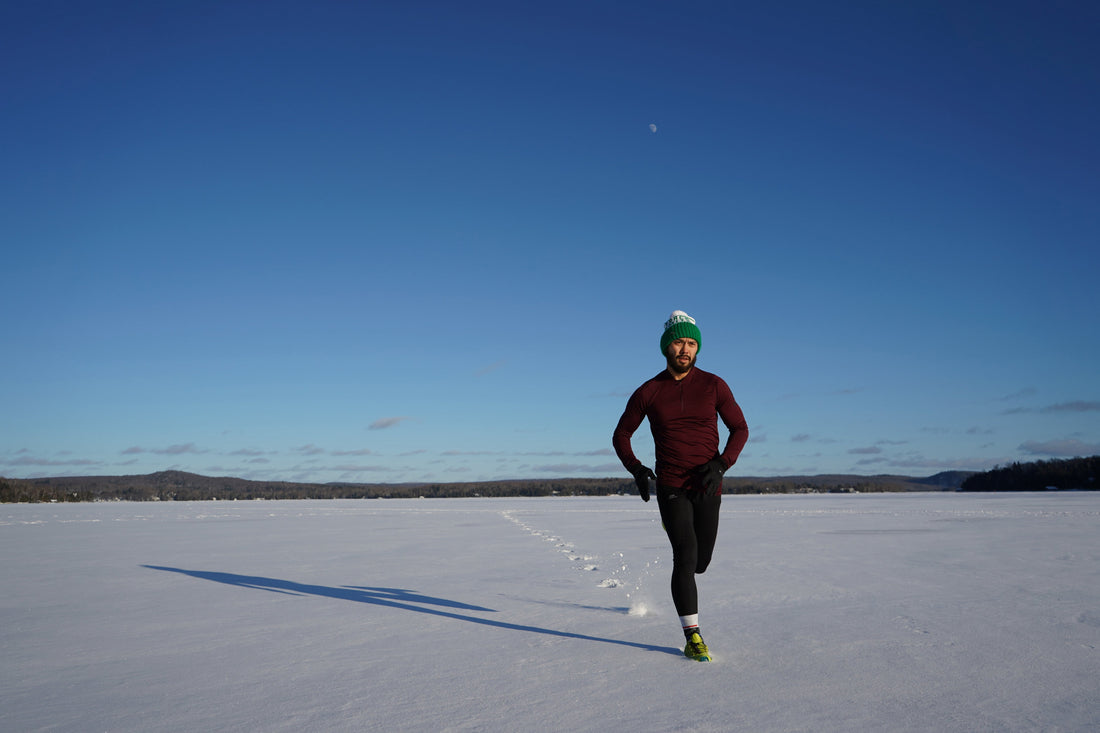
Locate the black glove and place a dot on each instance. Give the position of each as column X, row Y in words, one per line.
column 711, row 475
column 642, row 477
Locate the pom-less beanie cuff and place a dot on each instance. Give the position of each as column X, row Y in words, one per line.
column 680, row 326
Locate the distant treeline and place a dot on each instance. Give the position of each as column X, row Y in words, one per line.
column 1076, row 473
column 180, row 486
column 1070, row 474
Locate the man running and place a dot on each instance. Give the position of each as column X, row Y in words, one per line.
column 683, row 404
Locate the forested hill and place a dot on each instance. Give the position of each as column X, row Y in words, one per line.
column 181, row 486
column 1078, row 474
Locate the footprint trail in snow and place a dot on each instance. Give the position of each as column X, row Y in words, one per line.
column 620, row 574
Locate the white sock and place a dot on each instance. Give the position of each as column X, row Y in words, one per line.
column 689, row 621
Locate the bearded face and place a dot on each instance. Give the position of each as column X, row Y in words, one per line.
column 681, row 355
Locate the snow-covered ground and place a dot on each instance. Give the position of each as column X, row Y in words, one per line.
column 914, row 612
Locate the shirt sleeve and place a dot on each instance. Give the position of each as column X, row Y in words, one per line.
column 620, row 440
column 734, row 419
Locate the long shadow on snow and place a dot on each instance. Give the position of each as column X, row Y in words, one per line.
column 394, row 598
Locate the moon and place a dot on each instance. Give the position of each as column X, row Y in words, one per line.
column 652, row 128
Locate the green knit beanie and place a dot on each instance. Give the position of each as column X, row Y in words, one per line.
column 680, row 326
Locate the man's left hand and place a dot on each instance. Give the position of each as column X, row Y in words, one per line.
column 711, row 475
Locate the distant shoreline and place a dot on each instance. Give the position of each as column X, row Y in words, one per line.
column 1077, row 474
column 183, row 486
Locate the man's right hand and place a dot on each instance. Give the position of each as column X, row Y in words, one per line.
column 642, row 477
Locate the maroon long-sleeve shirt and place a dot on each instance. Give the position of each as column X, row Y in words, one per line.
column 683, row 417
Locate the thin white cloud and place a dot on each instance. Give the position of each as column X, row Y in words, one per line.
column 1060, row 448
column 30, row 460
column 1073, row 406
column 351, row 468
column 177, row 450
column 171, row 450
column 1019, row 395
column 387, row 422
column 490, row 368
column 563, row 468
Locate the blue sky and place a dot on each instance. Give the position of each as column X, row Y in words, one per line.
column 389, row 242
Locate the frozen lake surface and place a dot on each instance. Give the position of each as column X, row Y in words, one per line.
column 908, row 612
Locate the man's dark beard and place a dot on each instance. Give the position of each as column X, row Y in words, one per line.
column 675, row 368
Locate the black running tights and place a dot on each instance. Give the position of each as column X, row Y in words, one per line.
column 690, row 519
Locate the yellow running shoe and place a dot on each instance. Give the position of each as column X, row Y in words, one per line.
column 696, row 649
